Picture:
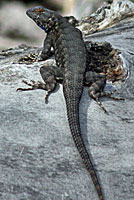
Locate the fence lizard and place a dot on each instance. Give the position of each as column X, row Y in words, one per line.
column 72, row 71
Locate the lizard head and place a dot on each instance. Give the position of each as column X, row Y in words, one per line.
column 43, row 17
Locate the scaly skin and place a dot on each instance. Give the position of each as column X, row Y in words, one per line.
column 72, row 71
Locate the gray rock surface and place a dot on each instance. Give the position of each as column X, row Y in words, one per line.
column 38, row 159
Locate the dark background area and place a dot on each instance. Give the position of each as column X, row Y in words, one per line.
column 16, row 28
column 51, row 4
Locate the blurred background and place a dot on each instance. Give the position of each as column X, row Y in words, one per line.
column 16, row 28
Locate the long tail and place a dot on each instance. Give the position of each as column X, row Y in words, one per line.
column 72, row 104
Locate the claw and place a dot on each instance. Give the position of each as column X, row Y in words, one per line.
column 46, row 98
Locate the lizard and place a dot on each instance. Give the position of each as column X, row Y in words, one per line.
column 72, row 71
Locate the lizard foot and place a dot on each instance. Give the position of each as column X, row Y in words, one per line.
column 34, row 85
column 100, row 104
column 109, row 95
column 102, row 94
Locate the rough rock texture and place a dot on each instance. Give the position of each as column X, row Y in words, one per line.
column 107, row 16
column 38, row 159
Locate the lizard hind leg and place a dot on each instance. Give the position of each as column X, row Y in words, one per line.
column 96, row 83
column 96, row 90
column 50, row 75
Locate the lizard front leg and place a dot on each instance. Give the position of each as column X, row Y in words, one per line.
column 51, row 75
column 47, row 52
column 37, row 56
